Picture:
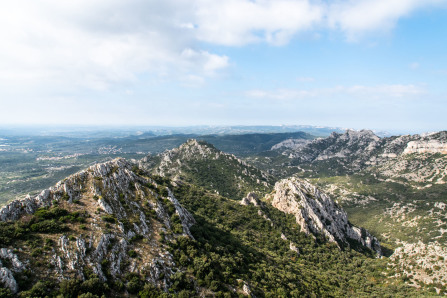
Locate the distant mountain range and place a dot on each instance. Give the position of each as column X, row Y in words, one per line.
column 147, row 131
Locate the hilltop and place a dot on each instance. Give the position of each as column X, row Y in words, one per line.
column 200, row 163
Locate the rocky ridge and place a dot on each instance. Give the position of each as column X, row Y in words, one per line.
column 316, row 213
column 202, row 164
column 351, row 143
column 353, row 150
column 124, row 215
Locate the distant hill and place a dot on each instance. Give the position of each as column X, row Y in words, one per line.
column 202, row 164
column 249, row 144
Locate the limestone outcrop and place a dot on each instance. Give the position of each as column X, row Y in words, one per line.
column 430, row 146
column 316, row 213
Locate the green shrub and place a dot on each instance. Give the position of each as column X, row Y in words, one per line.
column 109, row 218
column 94, row 285
column 69, row 288
column 48, row 226
column 149, row 291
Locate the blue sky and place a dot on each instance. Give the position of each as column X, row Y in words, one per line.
column 378, row 64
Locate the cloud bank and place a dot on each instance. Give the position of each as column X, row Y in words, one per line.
column 96, row 44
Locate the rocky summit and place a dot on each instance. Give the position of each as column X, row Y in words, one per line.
column 202, row 164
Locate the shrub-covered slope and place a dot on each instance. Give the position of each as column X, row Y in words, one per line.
column 200, row 163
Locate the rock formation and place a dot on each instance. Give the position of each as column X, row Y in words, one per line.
column 316, row 213
column 430, row 146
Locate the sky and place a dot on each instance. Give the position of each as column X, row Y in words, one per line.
column 377, row 64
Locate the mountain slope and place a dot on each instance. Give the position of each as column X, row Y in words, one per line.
column 105, row 224
column 264, row 247
column 347, row 153
column 249, row 144
column 202, row 164
column 395, row 187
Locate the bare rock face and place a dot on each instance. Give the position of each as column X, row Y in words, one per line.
column 430, row 146
column 187, row 220
column 250, row 199
column 316, row 213
column 6, row 274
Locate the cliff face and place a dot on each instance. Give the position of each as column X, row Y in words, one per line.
column 316, row 213
column 109, row 218
column 430, row 146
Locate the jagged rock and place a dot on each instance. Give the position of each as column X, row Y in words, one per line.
column 250, row 199
column 8, row 279
column 246, row 290
column 293, row 247
column 351, row 143
column 316, row 213
column 8, row 254
column 293, row 144
column 6, row 274
column 185, row 217
column 353, row 150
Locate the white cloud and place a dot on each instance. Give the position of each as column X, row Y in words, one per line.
column 356, row 92
column 355, row 17
column 240, row 22
column 97, row 44
column 209, row 63
column 192, row 80
column 379, row 91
